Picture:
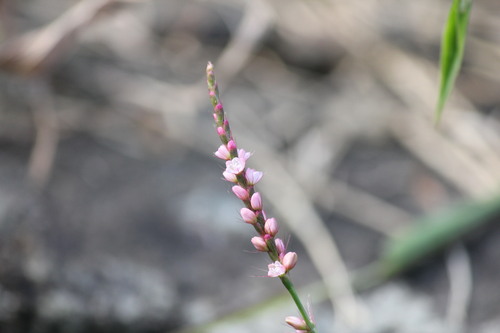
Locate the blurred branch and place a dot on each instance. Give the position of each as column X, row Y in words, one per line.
column 37, row 50
column 47, row 133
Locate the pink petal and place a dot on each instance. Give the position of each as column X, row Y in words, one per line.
column 235, row 166
column 276, row 269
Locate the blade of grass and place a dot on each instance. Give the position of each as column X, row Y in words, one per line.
column 452, row 50
column 436, row 232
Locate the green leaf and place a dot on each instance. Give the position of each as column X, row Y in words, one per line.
column 436, row 232
column 452, row 49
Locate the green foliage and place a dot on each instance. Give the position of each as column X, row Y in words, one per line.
column 452, row 49
column 436, row 232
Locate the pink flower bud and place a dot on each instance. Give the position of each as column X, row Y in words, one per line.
column 289, row 260
column 248, row 216
column 276, row 269
column 218, row 107
column 296, row 322
column 215, row 117
column 271, row 226
column 256, row 201
column 211, row 93
column 222, row 153
column 240, row 192
column 280, row 246
column 253, row 176
column 259, row 243
column 230, row 177
column 231, row 145
column 221, row 131
column 235, row 166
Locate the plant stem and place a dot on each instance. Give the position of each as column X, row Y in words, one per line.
column 293, row 292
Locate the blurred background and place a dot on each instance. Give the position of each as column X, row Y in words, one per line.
column 113, row 214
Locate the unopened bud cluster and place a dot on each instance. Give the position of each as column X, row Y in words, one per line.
column 244, row 180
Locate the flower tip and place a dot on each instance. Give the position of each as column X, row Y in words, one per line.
column 248, row 216
column 259, row 243
column 256, row 201
column 290, row 260
column 271, row 226
column 296, row 322
column 240, row 192
column 210, row 66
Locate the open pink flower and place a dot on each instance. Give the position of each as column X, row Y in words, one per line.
column 253, row 176
column 244, row 155
column 235, row 166
column 230, row 177
column 223, row 153
column 276, row 269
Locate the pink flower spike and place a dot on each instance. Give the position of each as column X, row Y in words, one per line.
column 259, row 243
column 256, row 201
column 280, row 246
column 230, row 177
column 242, row 154
column 248, row 216
column 271, row 227
column 221, row 131
column 222, row 153
column 253, row 176
column 240, row 192
column 276, row 269
column 297, row 323
column 289, row 260
column 231, row 145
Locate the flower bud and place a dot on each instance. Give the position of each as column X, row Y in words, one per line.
column 221, row 131
column 280, row 246
column 240, row 192
column 256, row 201
column 248, row 216
column 231, row 145
column 296, row 322
column 289, row 260
column 259, row 243
column 271, row 226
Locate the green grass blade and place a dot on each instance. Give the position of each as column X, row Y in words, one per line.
column 436, row 232
column 452, row 49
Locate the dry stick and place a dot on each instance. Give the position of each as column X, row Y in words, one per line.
column 47, row 133
column 257, row 21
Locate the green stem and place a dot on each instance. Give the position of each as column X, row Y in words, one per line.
column 293, row 292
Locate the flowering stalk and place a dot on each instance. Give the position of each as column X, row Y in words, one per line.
column 244, row 180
